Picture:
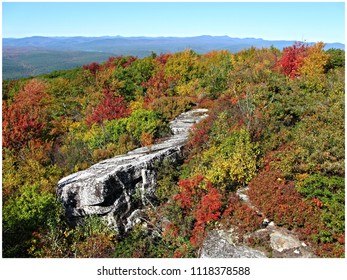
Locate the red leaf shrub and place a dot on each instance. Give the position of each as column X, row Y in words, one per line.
column 206, row 211
column 111, row 107
column 110, row 63
column 26, row 117
column 170, row 232
column 329, row 250
column 162, row 58
column 208, row 208
column 199, row 136
column 190, row 193
column 202, row 202
column 129, row 61
column 93, row 67
column 292, row 59
column 239, row 214
column 158, row 86
column 278, row 199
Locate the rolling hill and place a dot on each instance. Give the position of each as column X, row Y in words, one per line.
column 23, row 57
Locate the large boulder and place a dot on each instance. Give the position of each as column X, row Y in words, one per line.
column 116, row 187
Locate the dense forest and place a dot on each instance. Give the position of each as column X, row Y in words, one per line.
column 275, row 124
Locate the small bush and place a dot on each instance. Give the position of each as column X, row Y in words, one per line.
column 170, row 107
column 145, row 121
column 22, row 215
column 240, row 215
column 167, row 177
column 328, row 194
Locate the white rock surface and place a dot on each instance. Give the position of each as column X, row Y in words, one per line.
column 218, row 245
column 281, row 241
column 110, row 188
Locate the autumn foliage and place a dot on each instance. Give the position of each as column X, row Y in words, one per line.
column 240, row 215
column 26, row 117
column 207, row 211
column 111, row 107
column 275, row 125
column 93, row 67
column 202, row 201
column 292, row 59
column 279, row 200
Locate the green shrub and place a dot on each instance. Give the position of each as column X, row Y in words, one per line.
column 145, row 121
column 23, row 214
column 167, row 178
column 141, row 243
column 328, row 192
column 170, row 107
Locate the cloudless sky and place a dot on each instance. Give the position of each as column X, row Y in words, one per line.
column 310, row 21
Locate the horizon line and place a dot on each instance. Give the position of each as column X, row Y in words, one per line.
column 182, row 37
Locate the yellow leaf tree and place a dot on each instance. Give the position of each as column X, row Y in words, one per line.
column 312, row 69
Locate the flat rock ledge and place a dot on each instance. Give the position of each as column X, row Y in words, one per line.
column 273, row 241
column 116, row 187
column 221, row 244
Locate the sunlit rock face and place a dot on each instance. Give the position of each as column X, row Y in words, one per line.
column 117, row 187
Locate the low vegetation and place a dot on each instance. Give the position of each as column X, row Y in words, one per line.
column 276, row 125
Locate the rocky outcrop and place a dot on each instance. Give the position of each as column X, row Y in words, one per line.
column 279, row 242
column 270, row 241
column 223, row 244
column 116, row 188
column 276, row 241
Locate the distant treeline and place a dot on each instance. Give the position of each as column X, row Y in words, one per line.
column 33, row 56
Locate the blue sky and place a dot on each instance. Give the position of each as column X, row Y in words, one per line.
column 310, row 21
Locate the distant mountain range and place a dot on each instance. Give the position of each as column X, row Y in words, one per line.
column 37, row 55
